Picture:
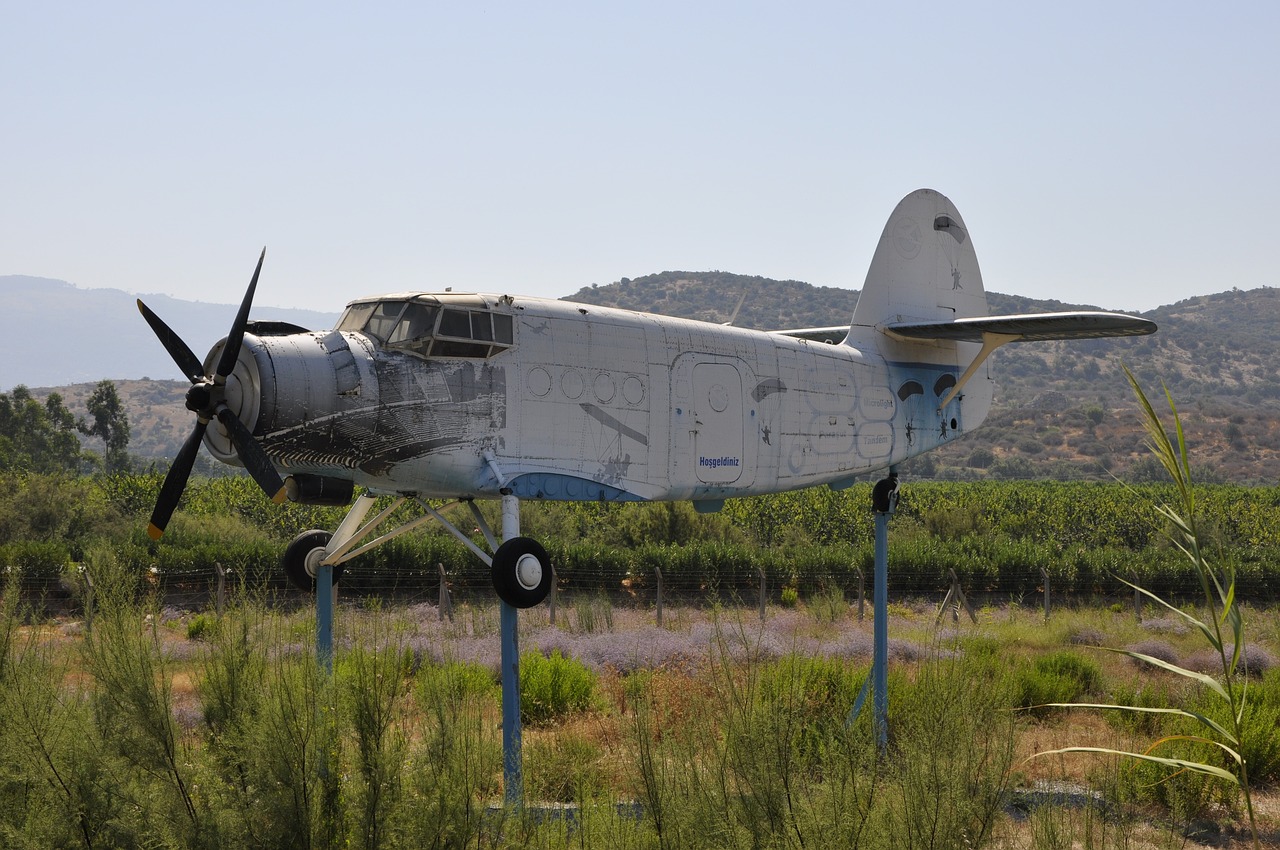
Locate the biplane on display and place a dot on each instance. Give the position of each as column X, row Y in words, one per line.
column 466, row 396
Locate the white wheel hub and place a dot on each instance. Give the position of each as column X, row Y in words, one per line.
column 529, row 571
column 312, row 562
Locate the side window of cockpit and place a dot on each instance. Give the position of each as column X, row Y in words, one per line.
column 459, row 327
column 455, row 323
column 502, row 329
column 413, row 331
column 383, row 320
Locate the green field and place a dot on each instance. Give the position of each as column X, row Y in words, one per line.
column 150, row 726
column 158, row 723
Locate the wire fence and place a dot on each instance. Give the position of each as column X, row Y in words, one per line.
column 748, row 587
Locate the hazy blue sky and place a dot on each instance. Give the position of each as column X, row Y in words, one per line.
column 1120, row 154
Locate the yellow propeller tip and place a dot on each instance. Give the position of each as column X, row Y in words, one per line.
column 153, row 532
column 280, row 496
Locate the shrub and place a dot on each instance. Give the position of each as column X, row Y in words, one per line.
column 809, row 694
column 552, row 686
column 1057, row 677
column 199, row 627
column 563, row 769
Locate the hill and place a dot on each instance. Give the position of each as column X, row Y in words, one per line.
column 54, row 334
column 1063, row 410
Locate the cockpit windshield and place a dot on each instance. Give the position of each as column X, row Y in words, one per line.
column 425, row 327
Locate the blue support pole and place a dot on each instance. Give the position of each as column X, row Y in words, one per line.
column 324, row 617
column 880, row 633
column 512, row 767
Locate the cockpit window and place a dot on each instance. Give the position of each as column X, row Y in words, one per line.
column 429, row 329
column 418, row 321
column 383, row 321
column 355, row 317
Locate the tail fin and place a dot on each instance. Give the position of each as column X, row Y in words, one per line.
column 923, row 302
column 924, row 269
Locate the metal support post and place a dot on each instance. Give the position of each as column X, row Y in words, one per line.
column 880, row 633
column 512, row 766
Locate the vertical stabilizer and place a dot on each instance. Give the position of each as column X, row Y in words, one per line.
column 924, row 269
column 925, row 272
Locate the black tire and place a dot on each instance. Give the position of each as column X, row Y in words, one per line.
column 295, row 557
column 521, row 572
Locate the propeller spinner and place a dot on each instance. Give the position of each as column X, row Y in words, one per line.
column 207, row 398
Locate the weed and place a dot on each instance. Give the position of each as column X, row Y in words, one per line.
column 790, row 597
column 553, row 686
column 829, row 605
column 1057, row 678
column 199, row 627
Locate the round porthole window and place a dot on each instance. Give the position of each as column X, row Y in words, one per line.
column 718, row 398
column 605, row 388
column 539, row 381
column 633, row 390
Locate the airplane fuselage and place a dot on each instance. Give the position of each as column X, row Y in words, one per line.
column 445, row 395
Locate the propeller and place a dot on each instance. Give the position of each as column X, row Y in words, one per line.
column 207, row 399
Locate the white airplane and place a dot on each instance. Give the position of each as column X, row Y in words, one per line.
column 479, row 396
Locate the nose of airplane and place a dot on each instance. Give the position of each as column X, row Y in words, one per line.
column 243, row 397
column 290, row 383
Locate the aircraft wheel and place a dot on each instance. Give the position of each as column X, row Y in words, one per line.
column 521, row 572
column 302, row 558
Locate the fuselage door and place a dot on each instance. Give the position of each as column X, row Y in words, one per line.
column 717, row 411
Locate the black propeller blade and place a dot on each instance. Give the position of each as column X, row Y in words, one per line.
column 227, row 361
column 254, row 458
column 183, row 356
column 176, row 481
column 207, row 399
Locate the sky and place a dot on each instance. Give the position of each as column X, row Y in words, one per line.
column 1115, row 154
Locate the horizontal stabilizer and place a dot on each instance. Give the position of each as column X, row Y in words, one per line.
column 1029, row 327
column 834, row 335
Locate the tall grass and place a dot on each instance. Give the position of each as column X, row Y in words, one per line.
column 769, row 760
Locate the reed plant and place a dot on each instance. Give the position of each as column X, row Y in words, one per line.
column 1213, row 746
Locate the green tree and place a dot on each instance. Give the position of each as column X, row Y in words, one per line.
column 110, row 424
column 37, row 437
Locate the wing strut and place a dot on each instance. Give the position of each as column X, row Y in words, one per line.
column 990, row 342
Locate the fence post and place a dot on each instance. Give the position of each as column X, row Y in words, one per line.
column 955, row 597
column 862, row 594
column 763, row 593
column 1137, row 600
column 445, row 606
column 220, row 603
column 551, row 601
column 658, row 570
column 1045, row 575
